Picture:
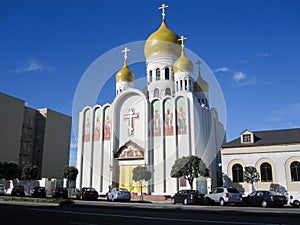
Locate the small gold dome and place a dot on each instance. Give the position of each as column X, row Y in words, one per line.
column 125, row 74
column 183, row 64
column 200, row 85
column 162, row 41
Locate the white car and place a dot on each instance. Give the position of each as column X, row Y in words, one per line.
column 223, row 195
column 119, row 194
column 295, row 201
column 2, row 189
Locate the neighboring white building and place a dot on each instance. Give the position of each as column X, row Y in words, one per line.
column 171, row 119
column 30, row 136
column 274, row 153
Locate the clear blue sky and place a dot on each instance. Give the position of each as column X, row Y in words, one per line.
column 252, row 46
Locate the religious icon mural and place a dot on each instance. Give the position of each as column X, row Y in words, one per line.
column 168, row 118
column 107, row 124
column 97, row 125
column 156, row 119
column 87, row 126
column 181, row 116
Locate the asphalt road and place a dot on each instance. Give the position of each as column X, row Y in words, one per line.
column 98, row 213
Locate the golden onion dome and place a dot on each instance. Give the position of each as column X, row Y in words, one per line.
column 183, row 64
column 200, row 85
column 162, row 42
column 125, row 74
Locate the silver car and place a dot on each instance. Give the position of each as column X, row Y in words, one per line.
column 223, row 195
column 118, row 194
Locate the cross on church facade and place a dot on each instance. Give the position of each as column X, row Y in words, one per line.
column 162, row 7
column 131, row 116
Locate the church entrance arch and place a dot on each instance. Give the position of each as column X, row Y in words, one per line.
column 129, row 156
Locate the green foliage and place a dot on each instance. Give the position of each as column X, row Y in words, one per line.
column 29, row 172
column 140, row 174
column 70, row 173
column 189, row 167
column 8, row 170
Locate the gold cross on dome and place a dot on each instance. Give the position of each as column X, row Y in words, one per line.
column 125, row 50
column 162, row 7
column 182, row 38
column 198, row 64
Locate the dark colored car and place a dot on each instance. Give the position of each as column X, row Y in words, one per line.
column 86, row 193
column 60, row 193
column 264, row 199
column 38, row 192
column 188, row 197
column 18, row 191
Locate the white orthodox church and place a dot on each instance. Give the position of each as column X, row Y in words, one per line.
column 170, row 119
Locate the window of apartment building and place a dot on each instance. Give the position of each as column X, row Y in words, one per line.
column 266, row 172
column 237, row 173
column 246, row 138
column 295, row 171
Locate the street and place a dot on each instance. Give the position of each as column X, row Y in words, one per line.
column 96, row 213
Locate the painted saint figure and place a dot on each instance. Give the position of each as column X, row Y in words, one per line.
column 181, row 123
column 107, row 127
column 168, row 123
column 156, row 123
column 87, row 129
column 97, row 129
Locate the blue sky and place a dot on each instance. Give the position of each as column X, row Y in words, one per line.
column 253, row 48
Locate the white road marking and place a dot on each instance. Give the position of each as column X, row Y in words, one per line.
column 151, row 218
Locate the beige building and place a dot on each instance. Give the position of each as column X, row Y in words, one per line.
column 275, row 154
column 38, row 137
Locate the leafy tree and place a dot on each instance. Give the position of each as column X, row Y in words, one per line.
column 189, row 167
column 8, row 170
column 251, row 175
column 140, row 174
column 70, row 173
column 29, row 172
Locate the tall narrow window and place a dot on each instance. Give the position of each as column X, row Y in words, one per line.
column 168, row 91
column 150, row 76
column 237, row 173
column 295, row 171
column 167, row 73
column 181, row 85
column 185, row 84
column 176, row 85
column 156, row 92
column 266, row 172
column 157, row 74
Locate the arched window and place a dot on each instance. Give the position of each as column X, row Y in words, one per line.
column 237, row 173
column 168, row 91
column 167, row 73
column 157, row 74
column 266, row 172
column 150, row 76
column 156, row 92
column 295, row 171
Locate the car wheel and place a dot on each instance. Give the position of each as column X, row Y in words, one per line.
column 244, row 203
column 264, row 204
column 296, row 203
column 173, row 201
column 112, row 198
column 185, row 201
column 222, row 202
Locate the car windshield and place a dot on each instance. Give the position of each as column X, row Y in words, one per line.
column 273, row 193
column 123, row 189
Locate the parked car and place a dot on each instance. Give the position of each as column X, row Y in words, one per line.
column 38, row 192
column 223, row 195
column 264, row 199
column 188, row 197
column 86, row 193
column 60, row 193
column 18, row 191
column 118, row 194
column 2, row 189
column 295, row 201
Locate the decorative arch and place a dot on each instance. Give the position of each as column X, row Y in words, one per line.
column 231, row 164
column 291, row 185
column 273, row 169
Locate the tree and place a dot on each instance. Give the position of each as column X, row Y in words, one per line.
column 70, row 173
column 189, row 167
column 29, row 172
column 140, row 174
column 8, row 170
column 251, row 175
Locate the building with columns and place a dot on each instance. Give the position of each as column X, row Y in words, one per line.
column 170, row 119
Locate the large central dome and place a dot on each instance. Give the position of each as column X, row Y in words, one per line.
column 162, row 42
